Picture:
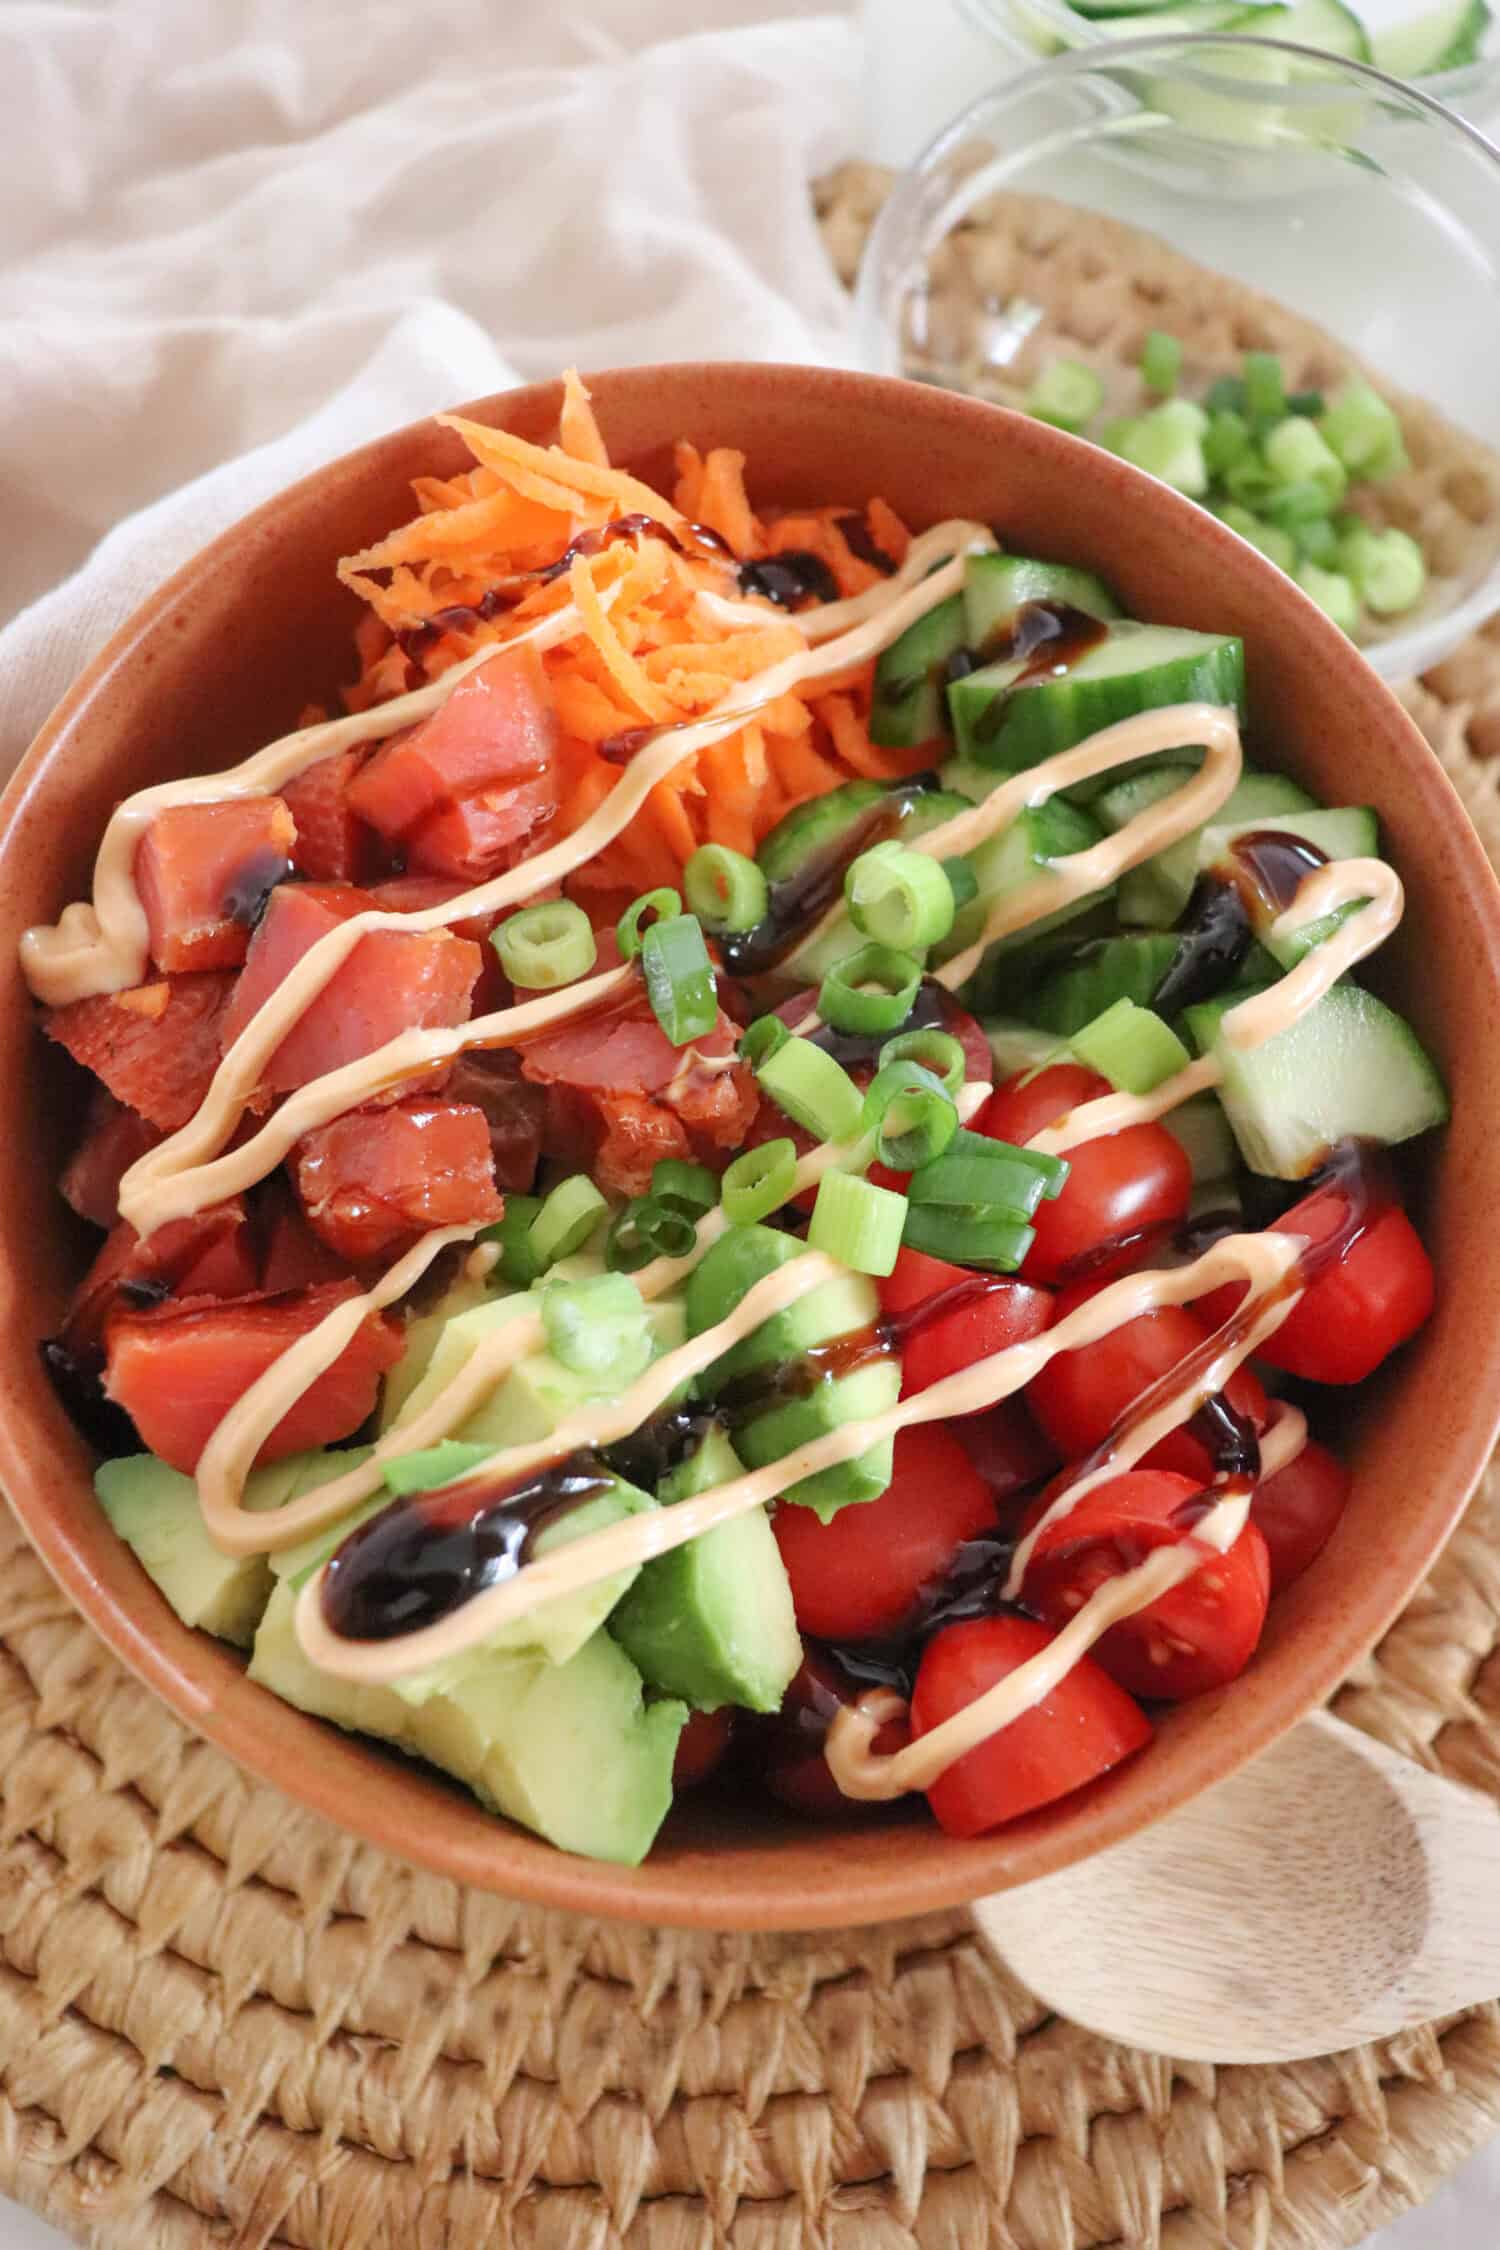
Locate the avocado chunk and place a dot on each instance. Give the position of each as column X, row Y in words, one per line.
column 155, row 1511
column 278, row 1663
column 841, row 1307
column 713, row 1621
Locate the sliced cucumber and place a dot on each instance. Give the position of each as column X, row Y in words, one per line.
column 1018, row 1046
column 1155, row 893
column 1445, row 39
column 811, row 960
column 999, row 722
column 909, row 705
column 1330, row 27
column 1100, row 973
column 996, row 586
column 1202, row 1131
column 1352, row 1068
column 1041, row 834
column 1343, row 832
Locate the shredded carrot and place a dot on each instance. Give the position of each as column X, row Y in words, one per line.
column 476, row 564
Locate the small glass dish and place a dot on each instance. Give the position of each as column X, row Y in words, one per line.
column 1344, row 222
column 1029, row 29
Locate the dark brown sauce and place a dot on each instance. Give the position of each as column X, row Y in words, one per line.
column 790, row 579
column 744, row 1398
column 249, row 895
column 1270, row 868
column 934, row 1009
column 971, row 1586
column 1213, row 938
column 1047, row 639
column 619, row 749
column 860, row 540
column 429, row 1553
column 800, row 899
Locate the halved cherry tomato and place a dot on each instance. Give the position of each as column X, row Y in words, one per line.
column 989, row 1313
column 862, row 1574
column 1297, row 1509
column 1351, row 1317
column 178, row 1368
column 156, row 1046
column 702, row 1746
column 1083, row 1727
column 1117, row 1187
column 1079, row 1396
column 1008, row 1449
column 791, row 1744
column 1194, row 1637
column 203, row 872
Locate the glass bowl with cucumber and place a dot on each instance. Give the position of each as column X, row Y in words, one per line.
column 1064, row 248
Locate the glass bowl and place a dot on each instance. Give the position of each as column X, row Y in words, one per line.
column 1345, row 222
column 1029, row 28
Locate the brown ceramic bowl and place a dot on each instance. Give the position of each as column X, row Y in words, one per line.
column 223, row 658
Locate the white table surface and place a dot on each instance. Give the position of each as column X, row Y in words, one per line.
column 1465, row 2214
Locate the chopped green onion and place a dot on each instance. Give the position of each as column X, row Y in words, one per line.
column 1132, row 1047
column 725, row 889
column 816, row 1092
column 758, row 1182
column 967, row 1237
column 1118, row 435
column 899, row 897
column 1305, row 402
column 1168, row 443
column 857, row 1223
column 1296, row 452
column 1333, row 593
column 978, row 1170
column 910, row 1113
column 691, row 1188
column 1290, row 506
column 1265, row 388
column 1318, row 542
column 1248, row 481
column 1277, row 546
column 547, row 945
column 662, row 906
column 762, row 1039
column 1363, row 431
column 1067, row 394
column 597, row 1326
column 566, row 1219
column 670, row 1230
column 680, row 979
column 518, row 1263
column 962, row 881
column 626, row 1247
column 1161, row 362
column 1225, row 441
column 1226, row 395
column 937, row 1051
column 870, row 991
column 1388, row 568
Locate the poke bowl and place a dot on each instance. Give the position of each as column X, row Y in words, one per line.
column 228, row 657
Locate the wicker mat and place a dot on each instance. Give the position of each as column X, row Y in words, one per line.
column 223, row 2023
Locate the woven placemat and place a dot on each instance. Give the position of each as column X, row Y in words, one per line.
column 224, row 2023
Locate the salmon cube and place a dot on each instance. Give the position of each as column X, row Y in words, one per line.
column 377, row 1177
column 482, row 835
column 333, row 844
column 204, row 872
column 177, row 1369
column 515, row 1111
column 113, row 1137
column 156, row 1047
column 499, row 725
column 209, row 1253
column 393, row 981
column 413, row 894
column 293, row 1257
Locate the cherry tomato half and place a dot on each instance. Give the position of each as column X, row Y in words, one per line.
column 1344, row 1325
column 702, row 1746
column 1079, row 1396
column 1297, row 1509
column 1117, row 1187
column 794, row 1767
column 861, row 1574
column 1086, row 1725
column 989, row 1314
column 1008, row 1449
column 1190, row 1639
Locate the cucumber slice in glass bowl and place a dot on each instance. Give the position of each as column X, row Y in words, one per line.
column 1180, row 223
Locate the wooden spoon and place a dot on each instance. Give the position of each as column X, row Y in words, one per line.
column 1330, row 1893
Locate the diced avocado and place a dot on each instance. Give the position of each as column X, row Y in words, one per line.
column 1001, row 718
column 1350, row 1069
column 1155, row 893
column 841, row 1307
column 296, row 1564
column 278, row 1663
column 443, row 1348
column 997, row 586
column 420, row 1340
column 908, row 705
column 713, row 1621
column 156, row 1512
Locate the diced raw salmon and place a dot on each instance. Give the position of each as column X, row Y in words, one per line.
column 293, row 1257
column 333, row 845
column 482, row 835
column 204, row 872
column 498, row 726
column 210, row 1253
column 177, row 1369
column 377, row 1177
column 634, row 1134
column 514, row 1110
column 394, row 981
column 156, row 1047
column 412, row 894
column 113, row 1137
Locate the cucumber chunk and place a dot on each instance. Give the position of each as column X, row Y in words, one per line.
column 999, row 722
column 812, row 959
column 1445, row 39
column 1343, row 832
column 1101, row 972
column 1352, row 1068
column 996, row 586
column 1330, row 27
column 1005, row 863
column 909, row 704
column 1202, row 1131
column 1018, row 1046
column 1155, row 893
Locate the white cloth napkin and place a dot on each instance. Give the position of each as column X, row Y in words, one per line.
column 238, row 239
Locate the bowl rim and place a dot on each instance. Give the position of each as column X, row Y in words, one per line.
column 520, row 1865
